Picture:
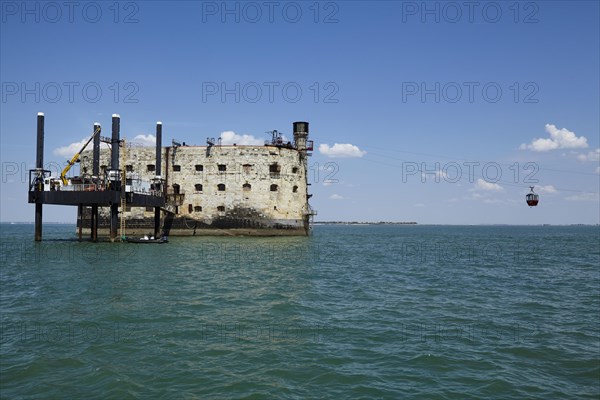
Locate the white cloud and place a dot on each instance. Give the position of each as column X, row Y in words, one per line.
column 584, row 197
column 341, row 150
column 336, row 197
column 437, row 175
column 590, row 156
column 489, row 186
column 230, row 137
column 145, row 140
column 69, row 151
column 473, row 196
column 559, row 139
column 598, row 170
column 545, row 189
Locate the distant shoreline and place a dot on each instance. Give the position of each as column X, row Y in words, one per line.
column 363, row 223
column 415, row 223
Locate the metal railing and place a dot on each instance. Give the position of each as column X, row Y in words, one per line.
column 83, row 187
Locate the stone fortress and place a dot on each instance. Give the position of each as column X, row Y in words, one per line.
column 217, row 189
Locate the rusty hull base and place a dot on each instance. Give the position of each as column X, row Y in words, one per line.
column 105, row 232
column 227, row 226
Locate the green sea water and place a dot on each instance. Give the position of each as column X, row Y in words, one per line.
column 398, row 312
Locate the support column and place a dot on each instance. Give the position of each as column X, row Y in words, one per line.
column 114, row 165
column 94, row 223
column 39, row 164
column 80, row 221
column 156, row 222
column 38, row 222
column 114, row 221
column 96, row 151
column 158, row 173
column 95, row 175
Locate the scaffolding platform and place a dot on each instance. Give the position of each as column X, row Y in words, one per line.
column 114, row 189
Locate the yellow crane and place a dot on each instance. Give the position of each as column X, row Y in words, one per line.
column 63, row 174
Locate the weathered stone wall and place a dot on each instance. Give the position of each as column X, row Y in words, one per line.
column 265, row 187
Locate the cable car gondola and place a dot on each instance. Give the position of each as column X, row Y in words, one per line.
column 532, row 198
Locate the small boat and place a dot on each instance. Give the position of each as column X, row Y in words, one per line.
column 148, row 240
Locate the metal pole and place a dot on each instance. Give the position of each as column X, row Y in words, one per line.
column 96, row 175
column 114, row 155
column 94, row 223
column 158, row 148
column 39, row 163
column 114, row 165
column 96, row 151
column 80, row 220
column 158, row 173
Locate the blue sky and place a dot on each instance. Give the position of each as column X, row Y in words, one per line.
column 463, row 91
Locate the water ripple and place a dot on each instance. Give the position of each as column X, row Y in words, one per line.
column 351, row 312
